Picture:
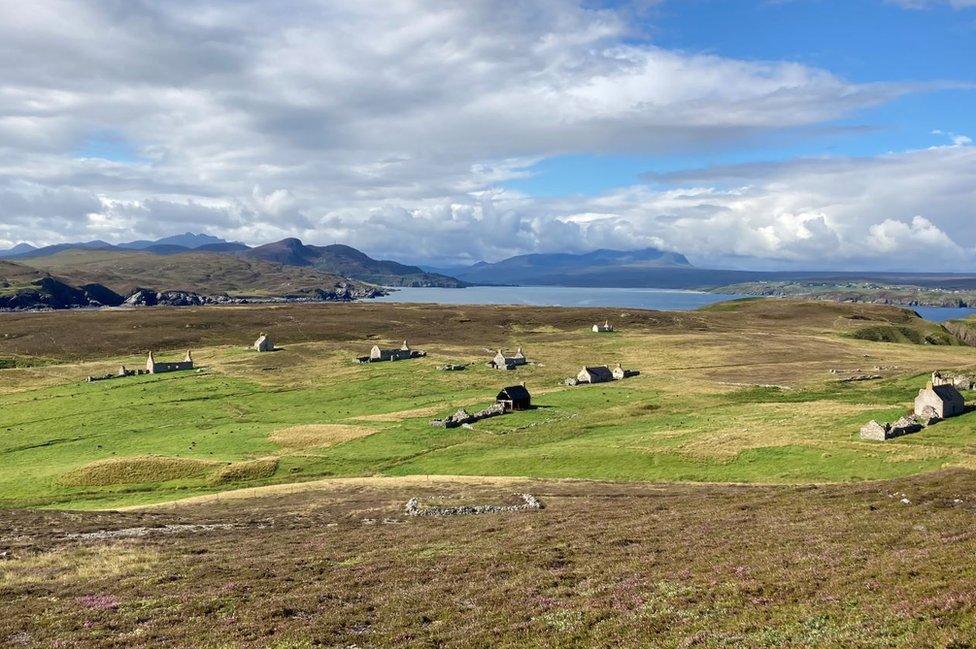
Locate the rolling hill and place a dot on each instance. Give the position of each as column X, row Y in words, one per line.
column 197, row 272
column 348, row 262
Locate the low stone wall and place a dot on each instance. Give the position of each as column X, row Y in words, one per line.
column 530, row 503
column 416, row 353
column 117, row 375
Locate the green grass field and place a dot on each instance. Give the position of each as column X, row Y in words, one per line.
column 708, row 406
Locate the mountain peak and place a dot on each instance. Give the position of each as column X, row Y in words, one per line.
column 349, row 262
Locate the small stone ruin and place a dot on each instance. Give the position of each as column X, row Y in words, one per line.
column 880, row 432
column 453, row 367
column 529, row 503
column 462, row 416
column 263, row 344
column 958, row 381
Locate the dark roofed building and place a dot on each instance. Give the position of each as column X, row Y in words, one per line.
column 942, row 400
column 514, row 397
column 599, row 374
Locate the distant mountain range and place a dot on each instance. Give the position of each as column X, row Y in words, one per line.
column 338, row 260
column 607, row 268
column 166, row 246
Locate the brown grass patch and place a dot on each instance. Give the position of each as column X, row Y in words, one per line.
column 242, row 471
column 318, row 435
column 401, row 415
column 135, row 470
column 763, row 425
column 77, row 564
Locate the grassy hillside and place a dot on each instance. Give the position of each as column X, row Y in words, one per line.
column 205, row 273
column 707, row 407
column 22, row 286
column 852, row 289
column 15, row 277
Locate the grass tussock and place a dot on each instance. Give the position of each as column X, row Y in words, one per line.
column 264, row 467
column 136, row 470
column 318, row 435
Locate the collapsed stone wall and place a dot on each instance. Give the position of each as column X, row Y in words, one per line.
column 530, row 503
column 121, row 373
column 462, row 416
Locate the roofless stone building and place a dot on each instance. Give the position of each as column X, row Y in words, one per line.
column 156, row 367
column 502, row 361
column 377, row 355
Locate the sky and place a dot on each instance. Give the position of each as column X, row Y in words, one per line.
column 763, row 134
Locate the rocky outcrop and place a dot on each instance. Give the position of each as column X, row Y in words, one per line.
column 45, row 293
column 341, row 292
column 99, row 295
column 964, row 330
column 149, row 297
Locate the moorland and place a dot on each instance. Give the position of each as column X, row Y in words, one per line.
column 721, row 498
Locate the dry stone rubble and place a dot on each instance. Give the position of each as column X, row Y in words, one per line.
column 529, row 503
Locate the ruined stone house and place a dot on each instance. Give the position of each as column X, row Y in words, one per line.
column 960, row 382
column 598, row 374
column 376, row 354
column 155, row 367
column 502, row 361
column 941, row 401
column 264, row 343
column 514, row 397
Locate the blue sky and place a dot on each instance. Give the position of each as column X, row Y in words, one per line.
column 862, row 41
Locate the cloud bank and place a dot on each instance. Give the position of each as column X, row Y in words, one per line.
column 393, row 126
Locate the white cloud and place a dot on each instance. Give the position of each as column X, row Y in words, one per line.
column 389, row 125
column 928, row 4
